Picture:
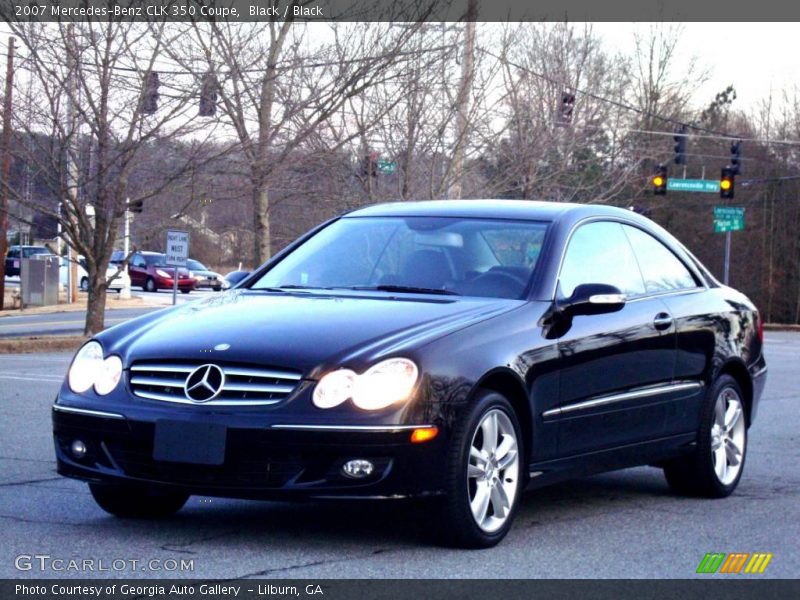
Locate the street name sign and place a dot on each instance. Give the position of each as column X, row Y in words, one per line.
column 728, row 218
column 693, row 185
column 177, row 248
column 387, row 166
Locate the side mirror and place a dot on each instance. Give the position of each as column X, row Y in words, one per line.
column 592, row 299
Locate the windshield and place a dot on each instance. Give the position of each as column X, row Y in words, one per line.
column 155, row 260
column 470, row 257
column 195, row 265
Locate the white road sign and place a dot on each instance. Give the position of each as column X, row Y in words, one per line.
column 177, row 248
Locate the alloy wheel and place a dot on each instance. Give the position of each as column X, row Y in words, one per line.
column 493, row 470
column 728, row 436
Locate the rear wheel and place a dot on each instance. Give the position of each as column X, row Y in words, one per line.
column 185, row 291
column 137, row 502
column 150, row 285
column 715, row 468
column 84, row 284
column 485, row 476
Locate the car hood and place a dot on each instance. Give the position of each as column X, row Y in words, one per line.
column 206, row 274
column 307, row 332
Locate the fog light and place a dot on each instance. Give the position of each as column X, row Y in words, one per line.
column 78, row 449
column 358, row 468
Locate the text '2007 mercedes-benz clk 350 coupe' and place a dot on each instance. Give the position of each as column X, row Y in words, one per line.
column 457, row 350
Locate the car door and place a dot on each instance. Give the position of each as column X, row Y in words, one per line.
column 686, row 299
column 616, row 368
column 137, row 269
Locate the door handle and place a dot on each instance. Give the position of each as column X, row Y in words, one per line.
column 662, row 321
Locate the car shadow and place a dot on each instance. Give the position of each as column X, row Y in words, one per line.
column 393, row 522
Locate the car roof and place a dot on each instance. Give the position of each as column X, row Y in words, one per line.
column 497, row 209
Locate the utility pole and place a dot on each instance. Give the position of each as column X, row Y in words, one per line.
column 72, row 167
column 5, row 167
column 464, row 92
column 125, row 292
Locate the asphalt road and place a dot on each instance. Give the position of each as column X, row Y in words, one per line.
column 72, row 322
column 623, row 525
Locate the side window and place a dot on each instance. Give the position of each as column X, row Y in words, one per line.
column 600, row 253
column 662, row 270
column 138, row 261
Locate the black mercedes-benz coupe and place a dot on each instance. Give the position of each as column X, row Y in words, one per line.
column 458, row 350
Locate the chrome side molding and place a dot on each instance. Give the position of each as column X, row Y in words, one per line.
column 678, row 386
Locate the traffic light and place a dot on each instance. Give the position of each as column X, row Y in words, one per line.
column 150, row 93
column 660, row 181
column 736, row 153
column 567, row 108
column 727, row 183
column 680, row 146
column 208, row 95
column 136, row 206
column 369, row 166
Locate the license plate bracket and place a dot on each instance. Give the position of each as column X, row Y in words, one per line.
column 189, row 442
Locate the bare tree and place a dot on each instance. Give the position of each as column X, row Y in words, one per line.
column 91, row 125
column 281, row 81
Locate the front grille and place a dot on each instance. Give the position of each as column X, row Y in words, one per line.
column 244, row 385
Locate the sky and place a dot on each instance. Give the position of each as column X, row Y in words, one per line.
column 754, row 57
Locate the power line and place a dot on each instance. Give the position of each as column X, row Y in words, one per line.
column 616, row 103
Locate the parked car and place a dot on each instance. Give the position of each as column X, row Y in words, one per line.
column 15, row 253
column 149, row 271
column 117, row 278
column 234, row 277
column 454, row 350
column 203, row 277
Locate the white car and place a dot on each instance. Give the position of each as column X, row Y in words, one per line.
column 117, row 280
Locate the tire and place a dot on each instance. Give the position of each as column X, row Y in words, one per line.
column 716, row 466
column 469, row 475
column 150, row 285
column 217, row 289
column 185, row 291
column 84, row 284
column 137, row 502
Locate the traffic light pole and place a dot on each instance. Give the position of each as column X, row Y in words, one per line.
column 727, row 269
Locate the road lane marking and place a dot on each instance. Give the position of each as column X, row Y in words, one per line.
column 53, row 323
column 33, row 378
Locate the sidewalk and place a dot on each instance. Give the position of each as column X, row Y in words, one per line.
column 113, row 301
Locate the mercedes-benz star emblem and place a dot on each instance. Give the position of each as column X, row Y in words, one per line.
column 204, row 383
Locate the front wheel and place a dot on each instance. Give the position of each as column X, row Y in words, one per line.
column 150, row 285
column 715, row 468
column 485, row 476
column 84, row 284
column 137, row 502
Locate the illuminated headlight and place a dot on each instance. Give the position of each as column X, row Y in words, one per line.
column 334, row 388
column 382, row 385
column 161, row 273
column 90, row 369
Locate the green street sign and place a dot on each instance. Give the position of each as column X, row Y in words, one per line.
column 693, row 185
column 387, row 166
column 728, row 218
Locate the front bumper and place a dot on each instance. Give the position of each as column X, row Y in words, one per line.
column 168, row 283
column 278, row 462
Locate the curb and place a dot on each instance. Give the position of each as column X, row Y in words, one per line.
column 780, row 327
column 27, row 345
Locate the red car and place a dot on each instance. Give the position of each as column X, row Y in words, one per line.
column 149, row 271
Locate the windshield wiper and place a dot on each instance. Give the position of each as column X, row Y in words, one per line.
column 404, row 289
column 286, row 288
